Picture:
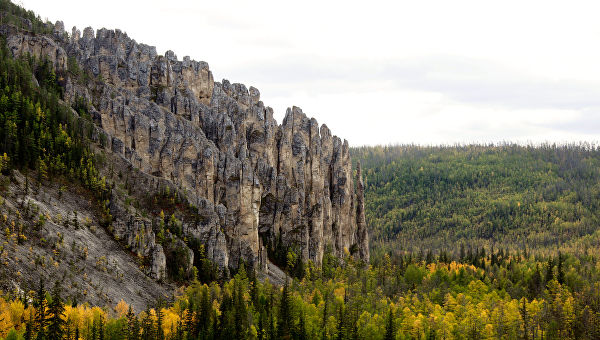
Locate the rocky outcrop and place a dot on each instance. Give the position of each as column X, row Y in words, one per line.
column 138, row 235
column 251, row 179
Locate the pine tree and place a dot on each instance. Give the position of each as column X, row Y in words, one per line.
column 239, row 310
column 41, row 318
column 390, row 328
column 101, row 328
column 190, row 326
column 68, row 331
column 56, row 310
column 535, row 283
column 28, row 331
column 341, row 328
column 160, row 334
column 179, row 331
column 261, row 325
column 94, row 329
column 226, row 327
column 549, row 271
column 215, row 326
column 325, row 312
column 302, row 328
column 355, row 326
column 525, row 318
column 203, row 319
column 560, row 275
column 132, row 325
column 284, row 320
column 148, row 327
column 253, row 288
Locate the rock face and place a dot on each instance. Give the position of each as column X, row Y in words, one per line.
column 251, row 179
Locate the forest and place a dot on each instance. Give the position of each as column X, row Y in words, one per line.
column 480, row 296
column 538, row 199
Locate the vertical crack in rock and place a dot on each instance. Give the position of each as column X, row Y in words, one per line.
column 251, row 178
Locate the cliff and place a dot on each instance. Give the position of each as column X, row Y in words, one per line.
column 249, row 179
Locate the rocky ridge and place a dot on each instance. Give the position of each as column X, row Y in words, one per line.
column 251, row 179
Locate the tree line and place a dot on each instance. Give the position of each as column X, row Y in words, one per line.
column 496, row 294
column 540, row 197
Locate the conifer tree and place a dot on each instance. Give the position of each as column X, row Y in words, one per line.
column 390, row 328
column 549, row 272
column 535, row 283
column 525, row 318
column 190, row 326
column 205, row 311
column 101, row 327
column 94, row 329
column 560, row 274
column 160, row 334
column 28, row 335
column 179, row 333
column 132, row 325
column 261, row 325
column 56, row 310
column 325, row 312
column 239, row 309
column 148, row 326
column 302, row 328
column 41, row 318
column 284, row 320
column 341, row 328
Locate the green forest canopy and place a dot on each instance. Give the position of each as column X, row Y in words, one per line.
column 512, row 196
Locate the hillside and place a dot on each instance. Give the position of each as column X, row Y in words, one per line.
column 505, row 196
column 180, row 176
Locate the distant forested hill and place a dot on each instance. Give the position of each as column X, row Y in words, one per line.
column 506, row 196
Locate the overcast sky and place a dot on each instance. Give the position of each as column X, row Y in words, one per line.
column 384, row 72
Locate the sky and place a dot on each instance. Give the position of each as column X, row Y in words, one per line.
column 387, row 72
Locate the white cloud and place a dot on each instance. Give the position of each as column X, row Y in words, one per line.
column 386, row 72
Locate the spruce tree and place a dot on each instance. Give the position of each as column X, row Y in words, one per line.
column 148, row 326
column 215, row 326
column 549, row 271
column 560, row 275
column 41, row 318
column 271, row 330
column 28, row 331
column 302, row 328
column 179, row 333
column 261, row 325
column 535, row 283
column 189, row 325
column 284, row 320
column 325, row 311
column 341, row 327
column 390, row 329
column 160, row 334
column 94, row 329
column 239, row 310
column 525, row 318
column 132, row 325
column 100, row 327
column 56, row 310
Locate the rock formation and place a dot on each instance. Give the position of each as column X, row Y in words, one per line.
column 251, row 179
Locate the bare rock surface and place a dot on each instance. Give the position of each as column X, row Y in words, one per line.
column 169, row 123
column 72, row 248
